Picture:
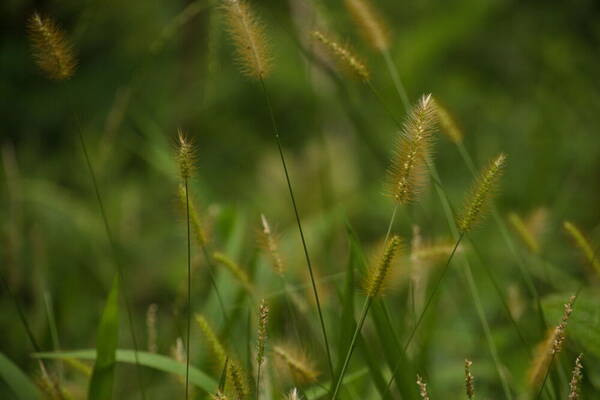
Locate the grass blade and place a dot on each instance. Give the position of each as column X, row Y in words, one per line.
column 103, row 375
column 20, row 384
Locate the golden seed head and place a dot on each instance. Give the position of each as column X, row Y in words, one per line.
column 469, row 379
column 407, row 171
column 345, row 56
column 541, row 361
column 448, row 124
column 235, row 270
column 51, row 49
column 477, row 202
column 216, row 347
column 298, row 363
column 185, row 156
column 582, row 244
column 370, row 22
column 524, row 233
column 267, row 240
column 377, row 276
column 263, row 320
column 422, row 388
column 238, row 379
column 560, row 331
column 576, row 377
column 249, row 38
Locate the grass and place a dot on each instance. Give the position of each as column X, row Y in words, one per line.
column 298, row 126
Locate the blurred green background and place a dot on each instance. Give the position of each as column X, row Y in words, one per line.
column 519, row 77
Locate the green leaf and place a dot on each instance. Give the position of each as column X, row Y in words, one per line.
column 150, row 360
column 584, row 323
column 103, row 375
column 20, row 384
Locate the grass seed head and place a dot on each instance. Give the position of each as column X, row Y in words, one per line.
column 300, row 366
column 484, row 188
column 524, row 233
column 263, row 320
column 582, row 244
column 249, row 39
column 469, row 379
column 52, row 51
column 407, row 172
column 378, row 274
column 267, row 240
column 576, row 376
column 370, row 23
column 448, row 124
column 560, row 331
column 345, row 57
column 422, row 388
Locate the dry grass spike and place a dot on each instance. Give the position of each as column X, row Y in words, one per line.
column 249, row 39
column 560, row 331
column 298, row 363
column 576, row 376
column 469, row 380
column 422, row 388
column 370, row 22
column 448, row 124
column 263, row 320
column 378, row 274
column 51, row 49
column 267, row 240
column 345, row 56
column 185, row 156
column 407, row 171
column 477, row 202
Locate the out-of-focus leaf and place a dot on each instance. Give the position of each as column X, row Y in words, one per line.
column 20, row 384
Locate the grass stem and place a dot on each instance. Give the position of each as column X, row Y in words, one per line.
column 189, row 290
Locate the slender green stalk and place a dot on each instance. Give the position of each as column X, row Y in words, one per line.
column 391, row 224
column 120, row 269
column 293, row 199
column 363, row 316
column 189, row 290
column 389, row 62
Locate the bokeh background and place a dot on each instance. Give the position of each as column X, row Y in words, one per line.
column 519, row 77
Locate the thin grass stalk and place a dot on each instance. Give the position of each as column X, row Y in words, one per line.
column 363, row 316
column 189, row 290
column 297, row 215
column 393, row 70
column 120, row 269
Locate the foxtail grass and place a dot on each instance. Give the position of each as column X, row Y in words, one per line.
column 54, row 55
column 576, row 377
column 376, row 279
column 252, row 49
column 469, row 380
column 263, row 320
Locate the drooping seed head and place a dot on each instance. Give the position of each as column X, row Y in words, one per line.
column 370, row 23
column 235, row 270
column 345, row 57
column 524, row 233
column 52, row 51
column 298, row 363
column 267, row 240
column 448, row 124
column 378, row 274
column 407, row 171
column 249, row 39
column 484, row 188
column 582, row 244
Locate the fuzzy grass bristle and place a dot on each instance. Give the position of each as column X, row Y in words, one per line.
column 422, row 388
column 249, row 38
column 52, row 51
column 185, row 157
column 378, row 274
column 560, row 333
column 448, row 124
column 267, row 240
column 407, row 171
column 582, row 244
column 300, row 366
column 235, row 270
column 469, row 380
column 215, row 345
column 370, row 23
column 263, row 320
column 345, row 57
column 576, row 376
column 482, row 191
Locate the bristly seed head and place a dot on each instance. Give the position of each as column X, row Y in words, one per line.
column 407, row 170
column 370, row 23
column 583, row 244
column 377, row 275
column 249, row 39
column 478, row 200
column 185, row 156
column 560, row 331
column 345, row 56
column 448, row 124
column 422, row 388
column 52, row 51
column 469, row 379
column 267, row 240
column 576, row 377
column 298, row 363
column 263, row 320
